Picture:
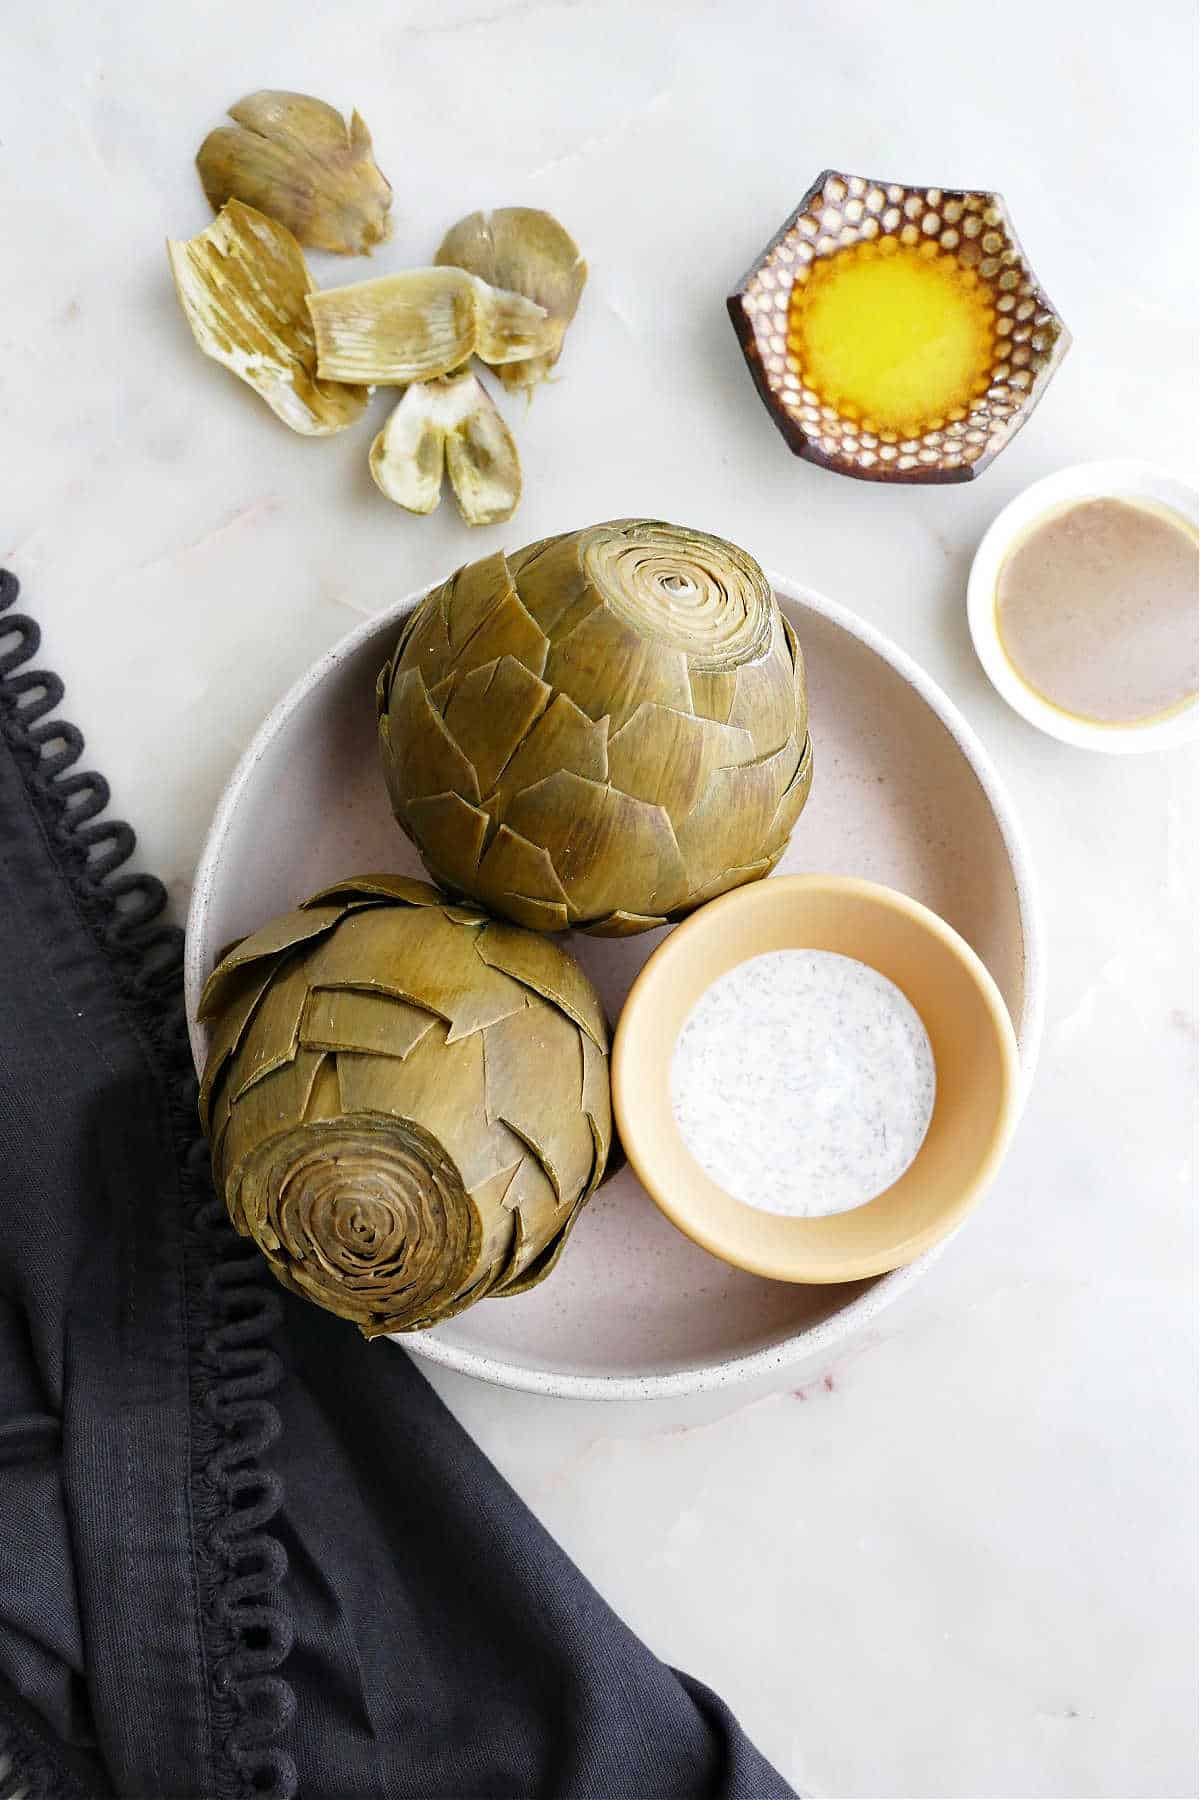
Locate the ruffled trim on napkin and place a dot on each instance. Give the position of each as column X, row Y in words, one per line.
column 232, row 1307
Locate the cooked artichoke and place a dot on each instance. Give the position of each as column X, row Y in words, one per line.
column 407, row 1102
column 242, row 284
column 521, row 248
column 449, row 425
column 605, row 730
column 295, row 159
column 422, row 323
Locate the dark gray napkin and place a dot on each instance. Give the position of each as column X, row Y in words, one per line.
column 241, row 1550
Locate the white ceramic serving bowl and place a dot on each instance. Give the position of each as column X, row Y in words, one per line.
column 903, row 794
column 1122, row 480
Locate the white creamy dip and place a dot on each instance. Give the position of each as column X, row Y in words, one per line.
column 803, row 1082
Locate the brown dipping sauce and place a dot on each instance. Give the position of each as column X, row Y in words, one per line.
column 1096, row 607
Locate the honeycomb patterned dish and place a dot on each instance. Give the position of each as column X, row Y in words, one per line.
column 967, row 232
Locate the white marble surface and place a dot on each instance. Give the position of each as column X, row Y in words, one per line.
column 962, row 1560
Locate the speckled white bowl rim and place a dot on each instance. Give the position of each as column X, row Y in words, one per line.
column 817, row 1340
column 1118, row 479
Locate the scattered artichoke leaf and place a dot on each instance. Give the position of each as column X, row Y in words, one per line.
column 242, row 284
column 296, row 159
column 408, row 457
column 529, row 252
column 482, row 462
column 449, row 424
column 421, row 323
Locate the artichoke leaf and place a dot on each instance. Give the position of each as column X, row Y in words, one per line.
column 285, row 933
column 535, row 915
column 765, row 701
column 792, row 800
column 297, row 160
column 276, row 1102
column 669, row 757
column 729, row 879
column 562, row 738
column 481, row 458
column 597, row 1102
column 491, row 711
column 590, row 831
column 799, row 672
column 372, row 1024
column 273, row 1035
column 381, row 886
column 431, row 968
column 554, row 584
column 470, row 597
column 454, row 834
column 713, row 693
column 242, row 996
column 513, row 867
column 624, row 924
column 609, row 668
column 324, row 1096
column 422, row 644
column 420, row 324
column 527, row 1274
column 739, row 802
column 433, row 762
column 497, row 1189
column 408, row 458
column 243, row 285
column 521, row 248
column 449, row 425
column 542, row 967
column 433, row 1085
column 515, row 1095
column 508, row 630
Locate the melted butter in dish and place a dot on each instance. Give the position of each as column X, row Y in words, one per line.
column 1096, row 611
column 803, row 1082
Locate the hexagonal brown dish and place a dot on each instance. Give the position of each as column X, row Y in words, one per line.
column 965, row 238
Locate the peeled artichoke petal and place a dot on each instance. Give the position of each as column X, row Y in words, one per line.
column 408, row 458
column 521, row 248
column 422, row 323
column 423, row 1131
column 482, row 461
column 296, row 159
column 243, row 285
column 449, row 423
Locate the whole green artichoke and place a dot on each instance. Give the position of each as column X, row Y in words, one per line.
column 604, row 730
column 407, row 1102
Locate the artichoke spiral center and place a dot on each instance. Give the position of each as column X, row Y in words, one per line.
column 690, row 590
column 365, row 1209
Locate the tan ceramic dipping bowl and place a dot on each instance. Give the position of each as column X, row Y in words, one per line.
column 975, row 1054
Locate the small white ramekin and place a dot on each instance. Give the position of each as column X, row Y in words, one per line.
column 1083, row 481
